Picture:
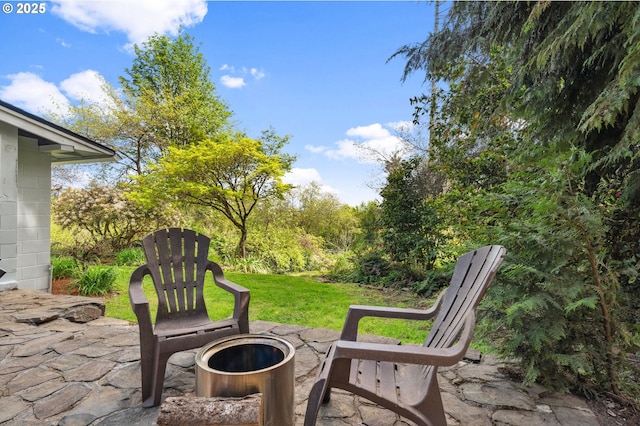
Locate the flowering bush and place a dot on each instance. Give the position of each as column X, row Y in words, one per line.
column 113, row 220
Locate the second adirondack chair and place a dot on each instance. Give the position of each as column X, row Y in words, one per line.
column 371, row 369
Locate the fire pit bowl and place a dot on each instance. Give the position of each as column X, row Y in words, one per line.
column 244, row 364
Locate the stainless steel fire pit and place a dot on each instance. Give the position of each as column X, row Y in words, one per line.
column 245, row 364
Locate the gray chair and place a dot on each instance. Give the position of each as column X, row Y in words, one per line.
column 371, row 369
column 177, row 263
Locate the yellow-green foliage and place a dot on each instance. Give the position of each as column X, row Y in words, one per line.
column 229, row 173
column 69, row 242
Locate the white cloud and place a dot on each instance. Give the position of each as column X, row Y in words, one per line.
column 137, row 19
column 86, row 86
column 232, row 82
column 347, row 148
column 299, row 176
column 302, row 177
column 315, row 149
column 257, row 74
column 63, row 43
column 401, row 126
column 29, row 91
column 235, row 78
column 330, row 190
column 366, row 144
column 372, row 131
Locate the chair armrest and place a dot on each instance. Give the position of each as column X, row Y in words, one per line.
column 409, row 354
column 357, row 312
column 139, row 302
column 222, row 282
column 241, row 295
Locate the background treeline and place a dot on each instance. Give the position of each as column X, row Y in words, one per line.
column 532, row 125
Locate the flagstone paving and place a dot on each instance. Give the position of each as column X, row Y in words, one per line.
column 59, row 366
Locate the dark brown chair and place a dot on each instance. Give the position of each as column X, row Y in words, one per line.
column 371, row 369
column 177, row 262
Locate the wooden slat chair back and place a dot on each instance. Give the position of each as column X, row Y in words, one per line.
column 177, row 263
column 371, row 369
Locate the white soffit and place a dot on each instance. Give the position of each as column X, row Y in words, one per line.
column 64, row 145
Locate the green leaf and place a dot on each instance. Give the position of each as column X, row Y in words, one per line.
column 588, row 302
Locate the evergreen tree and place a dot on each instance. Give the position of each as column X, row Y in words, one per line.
column 537, row 132
column 409, row 222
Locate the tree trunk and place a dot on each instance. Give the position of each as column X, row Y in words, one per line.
column 242, row 244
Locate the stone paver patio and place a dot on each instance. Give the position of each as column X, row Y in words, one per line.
column 56, row 369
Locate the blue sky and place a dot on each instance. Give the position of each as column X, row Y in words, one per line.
column 317, row 71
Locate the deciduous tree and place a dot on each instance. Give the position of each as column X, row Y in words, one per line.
column 113, row 123
column 230, row 173
column 169, row 88
column 166, row 99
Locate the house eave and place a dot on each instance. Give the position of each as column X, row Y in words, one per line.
column 65, row 146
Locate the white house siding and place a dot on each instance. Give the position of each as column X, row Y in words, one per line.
column 34, row 200
column 25, row 193
column 8, row 205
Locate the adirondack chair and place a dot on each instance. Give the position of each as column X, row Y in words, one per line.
column 177, row 263
column 371, row 369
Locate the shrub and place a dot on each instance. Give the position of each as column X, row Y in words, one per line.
column 341, row 268
column 433, row 282
column 76, row 243
column 287, row 250
column 96, row 281
column 64, row 267
column 62, row 240
column 372, row 268
column 112, row 220
column 249, row 265
column 130, row 257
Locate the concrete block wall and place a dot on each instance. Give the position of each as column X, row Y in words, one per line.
column 8, row 205
column 25, row 198
column 34, row 216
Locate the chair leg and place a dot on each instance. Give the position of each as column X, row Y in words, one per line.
column 316, row 397
column 320, row 391
column 327, row 396
column 147, row 357
column 159, row 370
column 150, row 398
column 148, row 402
column 432, row 405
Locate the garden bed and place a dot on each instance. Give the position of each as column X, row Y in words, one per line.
column 63, row 286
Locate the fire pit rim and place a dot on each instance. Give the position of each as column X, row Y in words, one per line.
column 205, row 353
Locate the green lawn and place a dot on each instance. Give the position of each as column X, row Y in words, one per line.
column 300, row 300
